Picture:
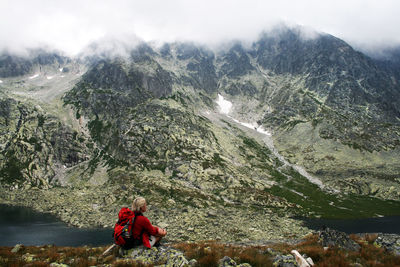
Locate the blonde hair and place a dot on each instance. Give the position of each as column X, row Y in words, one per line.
column 138, row 203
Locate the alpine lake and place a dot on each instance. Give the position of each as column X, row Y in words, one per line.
column 21, row 225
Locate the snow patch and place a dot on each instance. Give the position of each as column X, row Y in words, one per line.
column 62, row 76
column 61, row 69
column 34, row 76
column 260, row 129
column 50, row 77
column 249, row 125
column 1, row 81
column 253, row 126
column 224, row 105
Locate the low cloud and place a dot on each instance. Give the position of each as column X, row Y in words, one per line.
column 72, row 25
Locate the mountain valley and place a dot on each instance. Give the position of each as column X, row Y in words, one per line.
column 81, row 137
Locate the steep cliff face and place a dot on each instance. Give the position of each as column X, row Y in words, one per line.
column 12, row 66
column 389, row 60
column 325, row 98
column 324, row 81
column 149, row 119
column 35, row 145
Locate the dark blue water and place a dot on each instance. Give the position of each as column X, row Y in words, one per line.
column 20, row 225
column 390, row 224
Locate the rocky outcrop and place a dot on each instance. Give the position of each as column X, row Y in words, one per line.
column 332, row 238
column 166, row 256
column 284, row 261
column 228, row 262
column 12, row 65
column 162, row 256
column 146, row 123
column 390, row 242
column 35, row 145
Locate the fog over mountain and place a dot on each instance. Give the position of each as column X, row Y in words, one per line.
column 71, row 26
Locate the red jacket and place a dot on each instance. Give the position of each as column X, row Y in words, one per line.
column 142, row 224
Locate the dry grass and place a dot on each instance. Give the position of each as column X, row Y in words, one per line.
column 368, row 255
column 37, row 264
column 44, row 255
column 72, row 256
column 208, row 253
column 370, row 238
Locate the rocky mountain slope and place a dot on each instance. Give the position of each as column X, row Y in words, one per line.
column 99, row 130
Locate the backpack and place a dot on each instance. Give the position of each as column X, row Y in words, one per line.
column 122, row 234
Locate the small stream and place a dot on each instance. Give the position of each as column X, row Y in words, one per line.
column 389, row 224
column 225, row 107
column 20, row 225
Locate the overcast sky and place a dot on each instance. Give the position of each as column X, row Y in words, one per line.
column 70, row 25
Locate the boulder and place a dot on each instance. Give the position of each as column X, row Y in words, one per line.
column 192, row 262
column 27, row 257
column 17, row 248
column 156, row 256
column 228, row 262
column 331, row 238
column 284, row 261
column 56, row 264
column 391, row 242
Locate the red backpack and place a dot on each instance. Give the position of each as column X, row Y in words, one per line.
column 123, row 228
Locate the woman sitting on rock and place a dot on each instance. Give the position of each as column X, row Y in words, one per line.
column 143, row 231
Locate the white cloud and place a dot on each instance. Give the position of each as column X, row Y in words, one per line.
column 71, row 25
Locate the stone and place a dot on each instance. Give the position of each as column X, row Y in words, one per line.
column 226, row 262
column 390, row 242
column 56, row 264
column 284, row 261
column 329, row 237
column 162, row 255
column 193, row 262
column 212, row 172
column 28, row 257
column 212, row 213
column 270, row 252
column 17, row 248
column 171, row 202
